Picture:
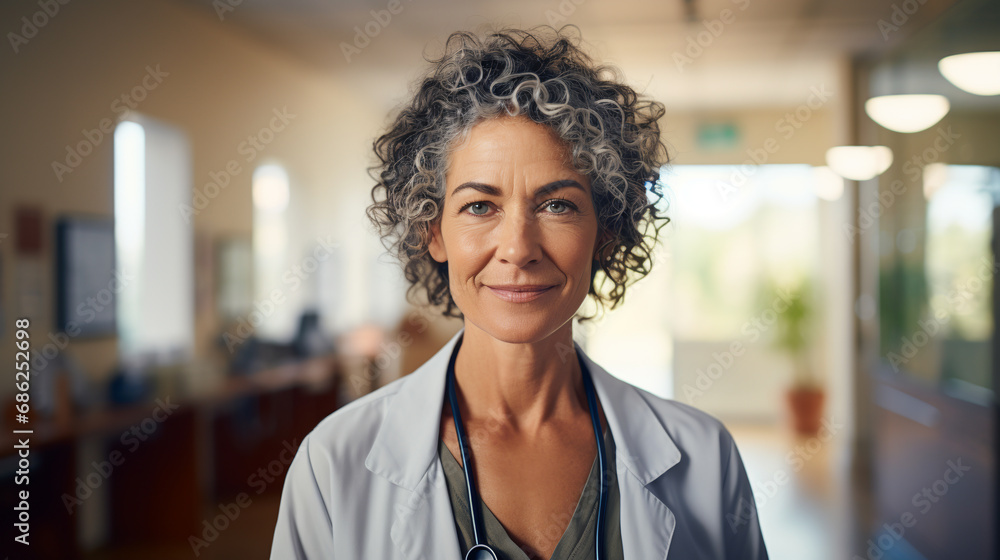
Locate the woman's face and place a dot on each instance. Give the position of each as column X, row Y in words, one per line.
column 516, row 213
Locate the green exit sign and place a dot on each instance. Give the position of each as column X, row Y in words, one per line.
column 717, row 136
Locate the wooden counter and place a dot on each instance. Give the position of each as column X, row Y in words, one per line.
column 163, row 461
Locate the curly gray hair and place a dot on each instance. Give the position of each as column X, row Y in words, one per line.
column 612, row 133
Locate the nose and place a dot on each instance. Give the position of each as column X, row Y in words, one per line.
column 519, row 238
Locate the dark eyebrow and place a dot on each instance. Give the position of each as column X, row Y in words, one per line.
column 541, row 191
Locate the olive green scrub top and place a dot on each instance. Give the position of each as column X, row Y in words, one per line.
column 577, row 543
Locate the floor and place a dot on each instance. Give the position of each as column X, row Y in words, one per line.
column 805, row 500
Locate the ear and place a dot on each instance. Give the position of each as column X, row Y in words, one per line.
column 436, row 244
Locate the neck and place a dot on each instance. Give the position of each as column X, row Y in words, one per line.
column 522, row 386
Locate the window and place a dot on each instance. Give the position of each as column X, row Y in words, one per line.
column 153, row 242
column 271, row 258
column 735, row 233
column 937, row 279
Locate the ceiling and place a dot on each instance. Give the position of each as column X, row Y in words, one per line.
column 912, row 67
column 768, row 54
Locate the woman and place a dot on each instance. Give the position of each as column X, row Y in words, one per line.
column 517, row 175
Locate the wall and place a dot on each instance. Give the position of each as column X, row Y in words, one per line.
column 217, row 84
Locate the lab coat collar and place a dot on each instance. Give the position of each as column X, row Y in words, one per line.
column 405, row 453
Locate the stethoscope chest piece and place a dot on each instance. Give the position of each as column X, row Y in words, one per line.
column 481, row 552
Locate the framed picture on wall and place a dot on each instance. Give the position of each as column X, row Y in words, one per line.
column 87, row 288
column 234, row 277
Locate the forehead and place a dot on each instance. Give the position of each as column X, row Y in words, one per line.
column 506, row 141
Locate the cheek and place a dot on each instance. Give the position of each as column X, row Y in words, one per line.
column 579, row 243
column 584, row 265
column 469, row 240
column 574, row 256
column 467, row 253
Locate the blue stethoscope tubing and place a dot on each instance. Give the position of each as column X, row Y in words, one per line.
column 481, row 550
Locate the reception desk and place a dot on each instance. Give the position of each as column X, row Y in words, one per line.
column 144, row 475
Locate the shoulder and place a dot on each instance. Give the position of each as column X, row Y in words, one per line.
column 709, row 482
column 675, row 416
column 357, row 422
column 684, row 419
column 325, row 480
column 698, row 435
column 351, row 429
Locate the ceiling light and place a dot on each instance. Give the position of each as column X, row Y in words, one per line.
column 907, row 113
column 859, row 163
column 977, row 72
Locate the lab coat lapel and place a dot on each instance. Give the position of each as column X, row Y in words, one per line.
column 423, row 526
column 405, row 453
column 644, row 452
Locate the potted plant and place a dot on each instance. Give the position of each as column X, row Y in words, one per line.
column 793, row 329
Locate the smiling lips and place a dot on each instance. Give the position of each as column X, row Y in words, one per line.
column 520, row 293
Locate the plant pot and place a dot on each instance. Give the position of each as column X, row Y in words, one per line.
column 806, row 404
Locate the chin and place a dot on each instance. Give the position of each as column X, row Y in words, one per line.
column 513, row 327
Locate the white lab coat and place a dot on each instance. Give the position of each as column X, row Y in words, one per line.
column 367, row 482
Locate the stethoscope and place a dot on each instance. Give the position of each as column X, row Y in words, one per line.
column 481, row 550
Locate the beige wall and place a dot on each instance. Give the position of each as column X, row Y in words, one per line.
column 222, row 86
column 767, row 129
